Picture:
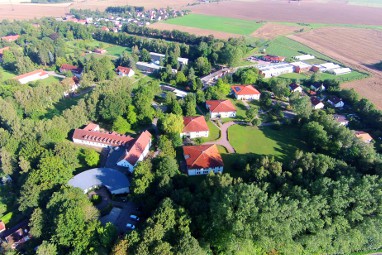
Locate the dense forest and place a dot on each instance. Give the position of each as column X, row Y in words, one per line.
column 323, row 200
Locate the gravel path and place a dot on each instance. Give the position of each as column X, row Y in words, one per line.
column 223, row 140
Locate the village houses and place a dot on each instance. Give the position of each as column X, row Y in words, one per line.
column 195, row 127
column 203, row 159
column 32, row 76
column 221, row 108
column 245, row 92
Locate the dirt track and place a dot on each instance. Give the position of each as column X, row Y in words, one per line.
column 192, row 30
column 335, row 12
column 356, row 48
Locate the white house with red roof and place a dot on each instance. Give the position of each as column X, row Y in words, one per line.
column 316, row 103
column 125, row 71
column 364, row 136
column 91, row 135
column 294, row 87
column 221, row 108
column 32, row 76
column 245, row 92
column 136, row 151
column 195, row 127
column 77, row 71
column 203, row 159
column 10, row 38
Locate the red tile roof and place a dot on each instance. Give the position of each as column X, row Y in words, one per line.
column 68, row 67
column 272, row 58
column 90, row 134
column 39, row 71
column 137, row 147
column 2, row 226
column 221, row 106
column 202, row 156
column 366, row 137
column 194, row 124
column 244, row 90
column 10, row 38
column 3, row 49
column 124, row 70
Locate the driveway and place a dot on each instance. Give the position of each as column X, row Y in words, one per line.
column 223, row 140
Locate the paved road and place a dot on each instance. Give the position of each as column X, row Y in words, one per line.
column 223, row 140
column 52, row 73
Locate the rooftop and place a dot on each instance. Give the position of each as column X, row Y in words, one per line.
column 202, row 156
column 221, row 106
column 194, row 124
column 244, row 90
column 137, row 147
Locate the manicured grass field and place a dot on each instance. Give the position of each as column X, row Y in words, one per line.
column 265, row 140
column 354, row 75
column 214, row 133
column 222, row 24
column 116, row 51
column 286, row 47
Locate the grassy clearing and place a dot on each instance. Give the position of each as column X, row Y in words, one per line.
column 369, row 3
column 286, row 47
column 7, row 218
column 265, row 141
column 354, row 75
column 228, row 25
column 116, row 50
column 5, row 75
column 214, row 132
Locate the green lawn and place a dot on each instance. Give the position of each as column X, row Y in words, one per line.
column 370, row 3
column 214, row 133
column 116, row 50
column 228, row 25
column 6, row 218
column 5, row 75
column 265, row 140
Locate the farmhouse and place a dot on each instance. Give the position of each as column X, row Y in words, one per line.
column 203, row 159
column 32, row 76
column 294, row 87
column 195, row 127
column 273, row 59
column 125, row 71
column 76, row 71
column 10, row 38
column 340, row 71
column 301, row 67
column 2, row 52
column 115, row 181
column 100, row 51
column 221, row 108
column 304, row 57
column 275, row 70
column 136, row 151
column 341, row 119
column 365, row 137
column 324, row 67
column 245, row 92
column 336, row 102
column 317, row 87
column 316, row 103
column 92, row 136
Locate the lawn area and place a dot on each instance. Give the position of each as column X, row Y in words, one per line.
column 228, row 25
column 286, row 47
column 265, row 140
column 214, row 133
column 6, row 218
column 5, row 75
column 354, row 75
column 116, row 51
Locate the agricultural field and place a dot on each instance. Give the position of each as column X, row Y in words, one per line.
column 369, row 3
column 222, row 24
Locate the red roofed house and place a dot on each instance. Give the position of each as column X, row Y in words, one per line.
column 336, row 102
column 10, row 38
column 136, row 152
column 100, row 51
column 71, row 68
column 221, row 108
column 2, row 226
column 202, row 159
column 245, row 92
column 273, row 59
column 294, row 87
column 2, row 52
column 365, row 137
column 32, row 76
column 125, row 71
column 195, row 127
column 316, row 103
column 92, row 136
column 71, row 83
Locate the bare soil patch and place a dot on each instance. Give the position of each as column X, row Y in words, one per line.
column 272, row 30
column 192, row 30
column 333, row 12
column 356, row 48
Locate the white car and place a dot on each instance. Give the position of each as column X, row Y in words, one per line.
column 134, row 217
column 130, row 226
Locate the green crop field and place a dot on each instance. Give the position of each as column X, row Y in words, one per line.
column 370, row 3
column 222, row 24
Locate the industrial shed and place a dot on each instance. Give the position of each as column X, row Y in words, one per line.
column 115, row 181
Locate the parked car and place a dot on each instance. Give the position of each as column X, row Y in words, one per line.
column 130, row 226
column 134, row 217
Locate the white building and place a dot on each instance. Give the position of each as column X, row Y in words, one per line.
column 245, row 92
column 203, row 159
column 316, row 103
column 304, row 57
column 274, row 70
column 32, row 76
column 340, row 71
column 336, row 102
column 125, row 71
column 294, row 87
column 136, row 151
column 221, row 108
column 325, row 67
column 195, row 127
